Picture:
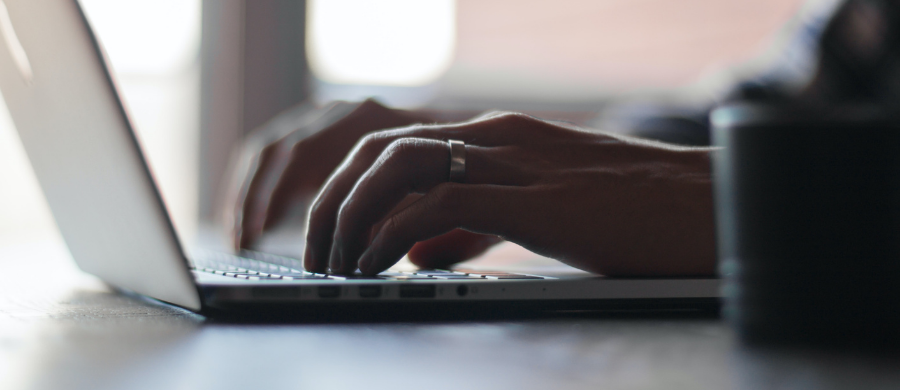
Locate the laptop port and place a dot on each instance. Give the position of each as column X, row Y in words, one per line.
column 275, row 293
column 329, row 291
column 417, row 291
column 462, row 290
column 369, row 291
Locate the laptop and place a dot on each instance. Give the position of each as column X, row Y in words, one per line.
column 78, row 136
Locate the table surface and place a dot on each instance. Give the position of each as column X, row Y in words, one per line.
column 63, row 329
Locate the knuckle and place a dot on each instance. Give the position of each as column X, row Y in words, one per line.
column 447, row 197
column 268, row 152
column 391, row 224
column 376, row 143
column 368, row 143
column 490, row 114
column 371, row 105
column 315, row 211
column 370, row 138
column 407, row 131
column 298, row 149
column 401, row 149
column 507, row 120
column 515, row 118
column 506, row 114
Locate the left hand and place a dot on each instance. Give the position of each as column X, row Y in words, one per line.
column 603, row 203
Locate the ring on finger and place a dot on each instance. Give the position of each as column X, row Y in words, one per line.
column 457, row 161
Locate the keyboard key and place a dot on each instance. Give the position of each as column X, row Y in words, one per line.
column 296, row 274
column 408, row 277
column 304, row 277
column 391, row 273
column 433, row 272
column 492, row 273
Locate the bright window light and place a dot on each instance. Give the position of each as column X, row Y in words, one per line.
column 381, row 42
column 147, row 37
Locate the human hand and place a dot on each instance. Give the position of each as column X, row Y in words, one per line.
column 603, row 203
column 291, row 169
column 285, row 164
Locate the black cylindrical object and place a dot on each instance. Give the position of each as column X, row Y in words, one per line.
column 808, row 223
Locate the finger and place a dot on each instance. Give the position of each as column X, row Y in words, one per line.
column 450, row 248
column 263, row 158
column 323, row 213
column 314, row 159
column 485, row 209
column 408, row 165
column 240, row 170
column 250, row 216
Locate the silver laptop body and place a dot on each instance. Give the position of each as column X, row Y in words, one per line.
column 56, row 83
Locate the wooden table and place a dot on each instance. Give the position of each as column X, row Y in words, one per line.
column 62, row 329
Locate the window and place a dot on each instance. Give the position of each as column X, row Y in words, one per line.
column 153, row 46
column 505, row 51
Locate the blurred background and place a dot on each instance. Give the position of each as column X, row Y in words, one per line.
column 197, row 75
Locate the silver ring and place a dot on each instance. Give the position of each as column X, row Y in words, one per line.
column 457, row 161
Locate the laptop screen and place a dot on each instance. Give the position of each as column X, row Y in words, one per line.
column 84, row 153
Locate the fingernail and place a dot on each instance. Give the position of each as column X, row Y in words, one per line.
column 365, row 261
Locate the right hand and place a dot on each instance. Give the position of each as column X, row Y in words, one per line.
column 280, row 175
column 604, row 203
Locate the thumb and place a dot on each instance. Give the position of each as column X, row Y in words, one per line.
column 450, row 248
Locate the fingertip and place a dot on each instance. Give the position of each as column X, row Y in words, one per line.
column 316, row 252
column 309, row 262
column 366, row 262
column 249, row 233
column 334, row 258
column 244, row 241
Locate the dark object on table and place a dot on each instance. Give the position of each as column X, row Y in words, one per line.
column 808, row 216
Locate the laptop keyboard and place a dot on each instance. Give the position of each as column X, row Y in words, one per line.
column 252, row 265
